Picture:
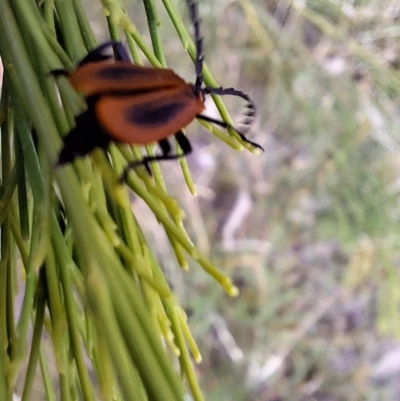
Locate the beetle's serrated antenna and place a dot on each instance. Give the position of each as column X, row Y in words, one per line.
column 198, row 40
column 251, row 110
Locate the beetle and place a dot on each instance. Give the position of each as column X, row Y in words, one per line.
column 139, row 105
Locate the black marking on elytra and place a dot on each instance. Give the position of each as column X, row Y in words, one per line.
column 122, row 72
column 152, row 115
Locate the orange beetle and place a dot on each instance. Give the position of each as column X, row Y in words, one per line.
column 139, row 105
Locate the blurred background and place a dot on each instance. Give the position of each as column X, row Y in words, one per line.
column 308, row 230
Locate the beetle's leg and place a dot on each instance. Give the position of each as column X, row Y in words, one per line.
column 97, row 54
column 59, row 73
column 183, row 142
column 225, row 125
column 165, row 146
column 166, row 149
column 120, row 52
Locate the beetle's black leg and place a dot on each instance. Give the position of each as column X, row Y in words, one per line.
column 97, row 54
column 93, row 56
column 165, row 150
column 183, row 143
column 120, row 52
column 225, row 125
column 59, row 73
column 165, row 146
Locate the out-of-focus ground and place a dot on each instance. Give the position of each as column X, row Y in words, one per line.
column 309, row 230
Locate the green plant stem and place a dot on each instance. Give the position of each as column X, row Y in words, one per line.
column 8, row 190
column 49, row 16
column 5, row 387
column 106, row 323
column 181, row 237
column 27, row 305
column 6, row 275
column 85, row 28
column 23, row 206
column 160, row 381
column 18, row 66
column 35, row 344
column 184, row 358
column 153, row 23
column 71, row 30
column 28, row 22
column 63, row 263
column 47, row 382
